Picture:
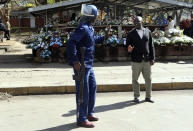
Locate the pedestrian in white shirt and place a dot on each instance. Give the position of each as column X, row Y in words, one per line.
column 170, row 25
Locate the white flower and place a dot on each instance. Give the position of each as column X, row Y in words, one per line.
column 187, row 39
column 177, row 40
column 164, row 40
column 158, row 33
column 174, row 32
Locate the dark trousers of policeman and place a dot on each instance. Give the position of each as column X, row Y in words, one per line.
column 89, row 95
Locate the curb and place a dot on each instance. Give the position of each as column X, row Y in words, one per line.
column 100, row 88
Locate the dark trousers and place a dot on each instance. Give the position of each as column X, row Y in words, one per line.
column 7, row 34
column 89, row 95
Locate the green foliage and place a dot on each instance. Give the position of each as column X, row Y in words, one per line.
column 50, row 1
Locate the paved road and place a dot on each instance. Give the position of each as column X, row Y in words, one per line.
column 172, row 111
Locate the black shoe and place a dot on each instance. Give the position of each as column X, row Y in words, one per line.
column 149, row 100
column 136, row 100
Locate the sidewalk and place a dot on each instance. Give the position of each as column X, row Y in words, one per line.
column 172, row 111
column 19, row 75
column 33, row 78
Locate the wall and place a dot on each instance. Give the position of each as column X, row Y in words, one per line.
column 25, row 22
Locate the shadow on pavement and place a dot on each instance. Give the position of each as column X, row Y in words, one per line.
column 116, row 106
column 22, row 61
column 19, row 61
column 104, row 108
column 110, row 64
column 66, row 127
column 175, row 61
column 26, row 61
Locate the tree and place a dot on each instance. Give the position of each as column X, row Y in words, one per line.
column 4, row 1
column 11, row 5
column 4, row 12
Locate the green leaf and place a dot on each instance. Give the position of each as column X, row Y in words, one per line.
column 50, row 1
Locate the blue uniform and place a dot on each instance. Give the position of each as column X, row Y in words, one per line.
column 83, row 36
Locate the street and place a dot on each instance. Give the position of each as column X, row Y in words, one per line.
column 172, row 111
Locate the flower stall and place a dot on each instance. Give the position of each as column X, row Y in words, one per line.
column 177, row 44
column 49, row 45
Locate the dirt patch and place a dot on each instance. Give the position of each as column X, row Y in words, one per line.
column 5, row 96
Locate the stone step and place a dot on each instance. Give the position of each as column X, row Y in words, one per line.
column 2, row 51
column 15, row 58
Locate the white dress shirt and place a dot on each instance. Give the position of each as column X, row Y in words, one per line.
column 140, row 32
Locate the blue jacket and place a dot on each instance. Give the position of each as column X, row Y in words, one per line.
column 83, row 36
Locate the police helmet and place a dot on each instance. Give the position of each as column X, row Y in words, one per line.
column 89, row 10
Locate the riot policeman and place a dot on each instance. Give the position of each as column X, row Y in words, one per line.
column 83, row 36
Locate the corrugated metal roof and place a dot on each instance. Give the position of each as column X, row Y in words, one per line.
column 144, row 4
column 174, row 2
column 57, row 5
column 155, row 4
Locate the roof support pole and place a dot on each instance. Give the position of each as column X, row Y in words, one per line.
column 46, row 21
column 115, row 10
